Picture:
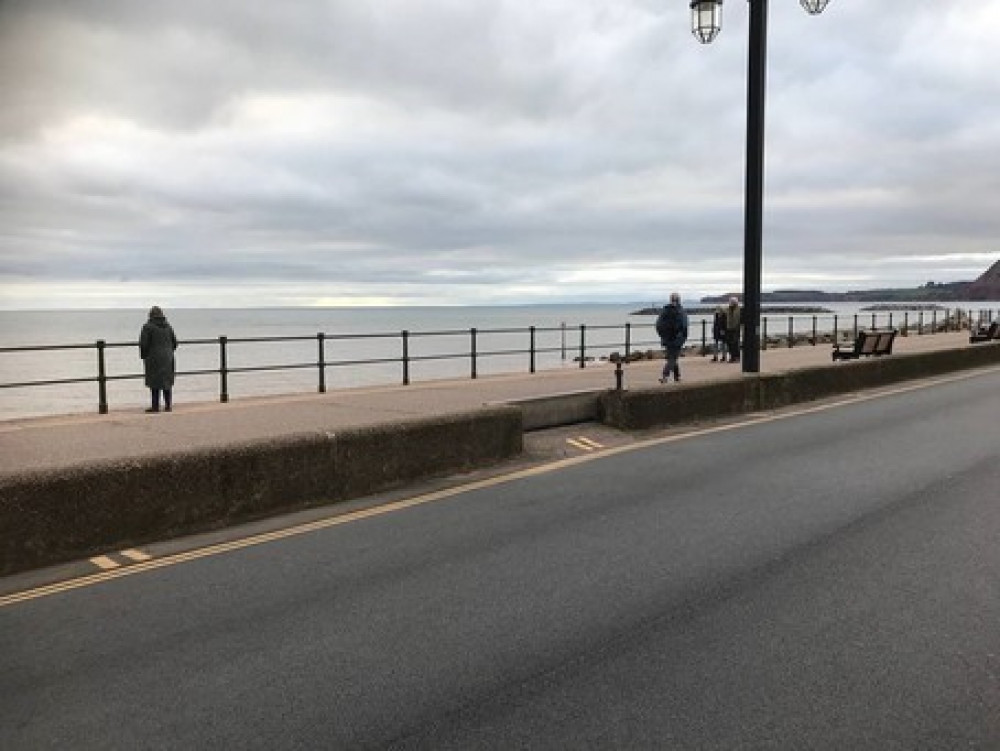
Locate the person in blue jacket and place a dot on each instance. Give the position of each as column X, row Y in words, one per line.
column 672, row 328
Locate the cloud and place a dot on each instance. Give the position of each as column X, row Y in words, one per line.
column 483, row 151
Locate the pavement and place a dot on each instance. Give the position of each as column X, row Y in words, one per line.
column 53, row 443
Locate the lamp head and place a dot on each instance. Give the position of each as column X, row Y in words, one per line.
column 706, row 19
column 814, row 7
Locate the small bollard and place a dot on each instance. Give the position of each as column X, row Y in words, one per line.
column 619, row 375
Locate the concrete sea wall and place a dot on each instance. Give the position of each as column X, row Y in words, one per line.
column 53, row 516
column 640, row 409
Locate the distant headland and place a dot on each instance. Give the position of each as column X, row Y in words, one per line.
column 986, row 287
column 706, row 310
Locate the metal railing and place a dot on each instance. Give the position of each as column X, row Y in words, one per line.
column 583, row 349
column 591, row 343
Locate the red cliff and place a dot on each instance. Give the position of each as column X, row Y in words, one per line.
column 987, row 286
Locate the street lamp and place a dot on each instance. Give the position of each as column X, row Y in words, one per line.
column 706, row 22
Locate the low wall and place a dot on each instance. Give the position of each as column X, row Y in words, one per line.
column 554, row 410
column 642, row 409
column 48, row 517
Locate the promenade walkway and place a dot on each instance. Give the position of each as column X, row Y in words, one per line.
column 59, row 442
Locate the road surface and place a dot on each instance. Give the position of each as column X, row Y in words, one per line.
column 823, row 578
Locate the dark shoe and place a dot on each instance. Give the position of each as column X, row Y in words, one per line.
column 664, row 380
column 152, row 409
column 715, row 359
column 168, row 409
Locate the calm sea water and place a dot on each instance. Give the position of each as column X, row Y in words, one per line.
column 363, row 346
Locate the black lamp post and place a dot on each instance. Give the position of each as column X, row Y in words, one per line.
column 706, row 22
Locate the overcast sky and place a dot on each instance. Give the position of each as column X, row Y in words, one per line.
column 346, row 152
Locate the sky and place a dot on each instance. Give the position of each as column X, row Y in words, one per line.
column 238, row 153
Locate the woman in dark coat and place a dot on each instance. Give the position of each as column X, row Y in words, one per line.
column 156, row 347
column 719, row 335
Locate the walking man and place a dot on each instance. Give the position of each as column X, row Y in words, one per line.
column 672, row 328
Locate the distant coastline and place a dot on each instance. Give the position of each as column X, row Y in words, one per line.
column 939, row 293
column 707, row 310
column 985, row 287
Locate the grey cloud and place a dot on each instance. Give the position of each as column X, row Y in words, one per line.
column 455, row 144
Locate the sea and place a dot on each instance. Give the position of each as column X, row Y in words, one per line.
column 49, row 358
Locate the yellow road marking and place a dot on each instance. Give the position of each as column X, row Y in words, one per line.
column 136, row 555
column 584, row 444
column 104, row 563
column 439, row 495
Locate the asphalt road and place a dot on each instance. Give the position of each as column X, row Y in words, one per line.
column 827, row 579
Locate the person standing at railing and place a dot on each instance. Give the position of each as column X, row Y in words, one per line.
column 733, row 329
column 672, row 327
column 156, row 348
column 719, row 335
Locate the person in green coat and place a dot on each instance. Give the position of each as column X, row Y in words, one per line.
column 156, row 348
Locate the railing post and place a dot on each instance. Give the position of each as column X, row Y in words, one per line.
column 874, row 320
column 406, row 356
column 890, row 319
column 920, row 323
column 704, row 338
column 563, row 327
column 628, row 340
column 583, row 345
column 619, row 375
column 223, row 371
column 836, row 334
column 855, row 325
column 531, row 339
column 814, row 340
column 791, row 331
column 763, row 332
column 472, row 335
column 322, row 362
column 102, row 379
column 934, row 321
column 906, row 322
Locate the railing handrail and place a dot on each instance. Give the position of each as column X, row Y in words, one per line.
column 581, row 350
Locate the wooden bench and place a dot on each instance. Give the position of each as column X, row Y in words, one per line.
column 867, row 343
column 985, row 333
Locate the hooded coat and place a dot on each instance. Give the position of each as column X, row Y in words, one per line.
column 156, row 347
column 672, row 326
